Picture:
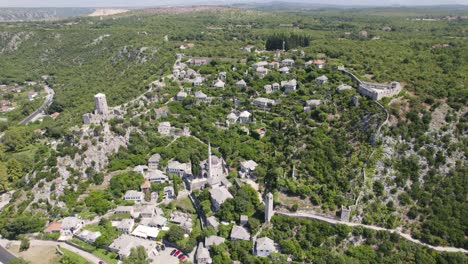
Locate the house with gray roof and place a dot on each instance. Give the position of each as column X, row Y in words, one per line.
column 241, row 84
column 213, row 222
column 203, row 255
column 214, row 240
column 218, row 196
column 264, row 246
column 153, row 161
column 71, row 225
column 88, row 236
column 126, row 225
column 124, row 243
column 132, row 195
column 157, row 176
column 321, row 79
column 240, row 233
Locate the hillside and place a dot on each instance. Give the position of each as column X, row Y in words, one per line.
column 320, row 144
column 34, row 14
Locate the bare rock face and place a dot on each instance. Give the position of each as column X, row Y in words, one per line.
column 10, row 42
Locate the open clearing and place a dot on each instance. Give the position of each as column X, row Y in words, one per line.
column 37, row 254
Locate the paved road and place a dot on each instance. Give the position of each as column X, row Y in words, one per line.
column 84, row 254
column 312, row 215
column 49, row 98
column 5, row 255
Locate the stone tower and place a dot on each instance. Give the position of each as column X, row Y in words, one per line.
column 101, row 104
column 209, row 161
column 269, row 207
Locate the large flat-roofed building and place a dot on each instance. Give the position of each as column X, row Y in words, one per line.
column 377, row 91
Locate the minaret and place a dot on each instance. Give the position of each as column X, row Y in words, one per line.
column 269, row 207
column 209, row 160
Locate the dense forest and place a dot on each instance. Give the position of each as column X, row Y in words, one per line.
column 286, row 42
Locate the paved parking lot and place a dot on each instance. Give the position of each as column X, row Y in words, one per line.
column 165, row 257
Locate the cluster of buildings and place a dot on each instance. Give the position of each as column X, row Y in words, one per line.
column 67, row 227
column 263, row 246
column 236, row 117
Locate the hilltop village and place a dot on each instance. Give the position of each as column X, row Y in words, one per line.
column 164, row 203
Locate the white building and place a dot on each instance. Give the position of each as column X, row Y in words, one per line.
column 289, row 86
column 181, row 96
column 158, row 221
column 310, row 104
column 203, row 255
column 219, row 84
column 164, row 128
column 157, row 176
column 146, row 232
column 181, row 169
column 126, row 225
column 132, row 195
column 244, row 117
column 201, row 97
column 264, row 247
column 232, row 118
column 268, row 89
column 262, row 72
column 263, row 102
column 241, row 84
column 169, row 193
column 247, row 168
column 71, row 225
column 321, row 79
column 260, row 64
column 287, row 62
column 284, row 70
column 153, row 161
column 124, row 210
column 198, row 81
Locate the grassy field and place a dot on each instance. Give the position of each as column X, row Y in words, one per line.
column 74, row 258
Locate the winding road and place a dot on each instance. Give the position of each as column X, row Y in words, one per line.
column 48, row 101
column 315, row 216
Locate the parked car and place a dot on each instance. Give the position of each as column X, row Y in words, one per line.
column 182, row 258
column 173, row 252
column 177, row 253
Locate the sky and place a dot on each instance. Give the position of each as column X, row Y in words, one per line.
column 141, row 3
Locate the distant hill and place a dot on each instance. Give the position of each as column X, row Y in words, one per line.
column 30, row 14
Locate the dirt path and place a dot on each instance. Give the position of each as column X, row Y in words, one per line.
column 312, row 215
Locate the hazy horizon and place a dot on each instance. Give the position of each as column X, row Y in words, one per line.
column 148, row 3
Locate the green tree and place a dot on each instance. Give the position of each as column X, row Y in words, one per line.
column 137, row 255
column 3, row 177
column 24, row 244
column 175, row 234
column 15, row 170
column 98, row 202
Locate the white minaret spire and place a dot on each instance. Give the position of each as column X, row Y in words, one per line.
column 209, row 160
